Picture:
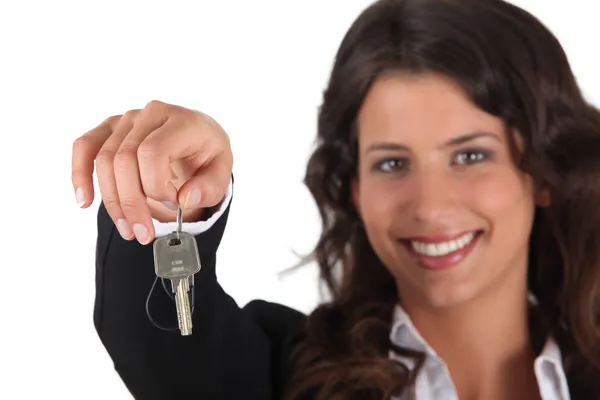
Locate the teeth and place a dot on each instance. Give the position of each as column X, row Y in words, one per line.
column 443, row 248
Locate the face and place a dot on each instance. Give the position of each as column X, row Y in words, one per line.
column 443, row 203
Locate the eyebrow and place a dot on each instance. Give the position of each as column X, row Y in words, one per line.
column 450, row 143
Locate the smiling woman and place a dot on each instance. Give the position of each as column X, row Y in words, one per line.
column 456, row 173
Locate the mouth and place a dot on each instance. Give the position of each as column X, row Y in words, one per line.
column 444, row 251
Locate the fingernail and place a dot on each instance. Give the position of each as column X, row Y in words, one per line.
column 193, row 199
column 141, row 233
column 124, row 229
column 170, row 205
column 80, row 197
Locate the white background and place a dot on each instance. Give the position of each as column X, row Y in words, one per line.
column 258, row 67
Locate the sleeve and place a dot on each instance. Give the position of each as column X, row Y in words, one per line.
column 227, row 356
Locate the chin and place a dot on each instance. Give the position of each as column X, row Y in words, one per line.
column 442, row 298
column 440, row 289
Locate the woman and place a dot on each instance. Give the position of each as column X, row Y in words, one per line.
column 454, row 173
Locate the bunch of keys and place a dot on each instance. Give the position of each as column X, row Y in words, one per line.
column 176, row 258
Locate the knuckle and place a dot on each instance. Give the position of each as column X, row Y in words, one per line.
column 191, row 117
column 154, row 105
column 82, row 143
column 110, row 202
column 113, row 120
column 130, row 115
column 148, row 149
column 77, row 175
column 184, row 117
column 130, row 205
column 105, row 156
column 122, row 161
column 113, row 207
column 125, row 152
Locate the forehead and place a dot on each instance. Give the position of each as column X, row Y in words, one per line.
column 407, row 106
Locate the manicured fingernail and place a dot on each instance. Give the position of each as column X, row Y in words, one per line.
column 124, row 229
column 170, row 205
column 80, row 197
column 141, row 233
column 193, row 199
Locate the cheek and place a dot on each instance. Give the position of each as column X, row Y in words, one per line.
column 379, row 211
column 505, row 199
column 377, row 204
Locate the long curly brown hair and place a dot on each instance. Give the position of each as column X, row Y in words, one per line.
column 514, row 68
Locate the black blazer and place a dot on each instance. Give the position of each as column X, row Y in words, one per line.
column 233, row 353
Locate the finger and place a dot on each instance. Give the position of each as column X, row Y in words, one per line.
column 85, row 150
column 106, row 174
column 208, row 186
column 132, row 196
column 153, row 152
column 181, row 145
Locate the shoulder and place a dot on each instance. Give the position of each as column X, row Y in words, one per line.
column 277, row 321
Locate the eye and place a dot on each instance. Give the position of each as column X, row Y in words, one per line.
column 473, row 156
column 391, row 165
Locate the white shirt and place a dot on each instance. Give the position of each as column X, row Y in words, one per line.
column 434, row 381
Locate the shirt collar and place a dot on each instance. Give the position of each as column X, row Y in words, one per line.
column 548, row 366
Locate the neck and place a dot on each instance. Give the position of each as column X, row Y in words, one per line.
column 478, row 329
column 492, row 333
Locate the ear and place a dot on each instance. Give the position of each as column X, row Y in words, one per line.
column 543, row 198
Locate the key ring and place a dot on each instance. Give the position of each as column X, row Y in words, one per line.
column 179, row 220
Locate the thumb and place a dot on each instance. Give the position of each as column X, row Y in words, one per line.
column 205, row 189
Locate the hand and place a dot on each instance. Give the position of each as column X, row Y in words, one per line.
column 149, row 160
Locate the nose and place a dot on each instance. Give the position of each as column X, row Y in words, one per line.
column 433, row 197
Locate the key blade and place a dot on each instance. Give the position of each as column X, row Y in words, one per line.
column 182, row 302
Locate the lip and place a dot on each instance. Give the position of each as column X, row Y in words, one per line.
column 445, row 262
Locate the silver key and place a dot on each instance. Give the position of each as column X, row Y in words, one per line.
column 176, row 258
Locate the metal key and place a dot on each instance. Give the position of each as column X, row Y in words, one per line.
column 176, row 258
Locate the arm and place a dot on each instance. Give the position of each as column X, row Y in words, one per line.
column 226, row 357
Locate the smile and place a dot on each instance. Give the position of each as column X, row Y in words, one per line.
column 442, row 252
column 442, row 248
